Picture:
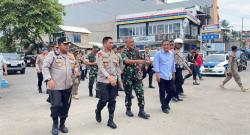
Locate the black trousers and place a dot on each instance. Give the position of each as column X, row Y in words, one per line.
column 60, row 103
column 193, row 68
column 107, row 95
column 166, row 90
column 83, row 74
column 178, row 82
column 194, row 72
column 40, row 79
column 150, row 73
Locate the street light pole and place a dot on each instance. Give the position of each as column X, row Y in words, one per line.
column 242, row 25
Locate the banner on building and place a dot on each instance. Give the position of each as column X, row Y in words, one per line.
column 212, row 28
column 144, row 39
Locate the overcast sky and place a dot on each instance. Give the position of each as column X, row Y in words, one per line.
column 231, row 10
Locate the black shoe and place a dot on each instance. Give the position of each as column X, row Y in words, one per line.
column 54, row 129
column 182, row 95
column 151, row 87
column 174, row 99
column 40, row 90
column 179, row 99
column 63, row 129
column 143, row 114
column 168, row 107
column 129, row 113
column 112, row 125
column 98, row 116
column 48, row 100
column 165, row 110
column 91, row 95
column 196, row 83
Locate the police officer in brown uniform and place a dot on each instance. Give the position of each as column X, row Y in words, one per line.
column 39, row 65
column 58, row 70
column 108, row 73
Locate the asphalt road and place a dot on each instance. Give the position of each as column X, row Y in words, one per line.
column 207, row 110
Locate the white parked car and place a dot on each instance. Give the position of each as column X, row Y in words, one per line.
column 215, row 64
column 14, row 62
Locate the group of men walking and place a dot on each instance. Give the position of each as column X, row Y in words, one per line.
column 112, row 70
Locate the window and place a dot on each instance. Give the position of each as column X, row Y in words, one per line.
column 150, row 30
column 124, row 32
column 177, row 28
column 132, row 30
column 77, row 38
column 160, row 29
column 166, row 28
column 170, row 28
column 194, row 30
column 154, row 30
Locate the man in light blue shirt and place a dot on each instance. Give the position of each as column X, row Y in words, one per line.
column 164, row 66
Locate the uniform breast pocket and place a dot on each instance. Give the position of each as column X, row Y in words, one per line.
column 60, row 63
column 72, row 63
column 105, row 62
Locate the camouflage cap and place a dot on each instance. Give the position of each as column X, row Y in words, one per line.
column 95, row 47
column 121, row 46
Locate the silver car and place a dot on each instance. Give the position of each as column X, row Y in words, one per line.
column 14, row 62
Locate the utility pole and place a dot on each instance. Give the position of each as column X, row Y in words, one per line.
column 242, row 26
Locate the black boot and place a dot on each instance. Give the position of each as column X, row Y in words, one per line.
column 55, row 126
column 150, row 83
column 62, row 127
column 39, row 89
column 111, row 123
column 129, row 113
column 97, row 94
column 90, row 92
column 151, row 87
column 143, row 114
column 98, row 116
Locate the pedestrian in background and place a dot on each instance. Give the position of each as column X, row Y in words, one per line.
column 192, row 60
column 164, row 66
column 232, row 70
column 199, row 63
column 108, row 73
column 172, row 45
column 83, row 67
column 58, row 68
column 76, row 75
column 3, row 69
column 91, row 63
column 148, row 67
column 39, row 65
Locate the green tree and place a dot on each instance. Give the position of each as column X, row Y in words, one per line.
column 225, row 24
column 25, row 21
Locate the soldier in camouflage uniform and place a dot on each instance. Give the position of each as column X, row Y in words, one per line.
column 91, row 63
column 131, row 78
column 232, row 70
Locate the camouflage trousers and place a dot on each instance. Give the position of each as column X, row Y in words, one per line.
column 92, row 80
column 236, row 77
column 130, row 85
